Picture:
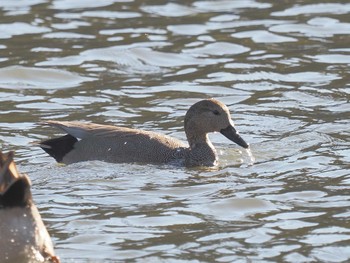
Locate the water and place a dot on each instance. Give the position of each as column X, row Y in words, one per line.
column 282, row 67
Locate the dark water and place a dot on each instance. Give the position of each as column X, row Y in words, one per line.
column 282, row 67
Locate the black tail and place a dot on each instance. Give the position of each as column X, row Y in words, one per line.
column 59, row 147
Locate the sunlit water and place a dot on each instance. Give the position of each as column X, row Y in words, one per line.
column 282, row 67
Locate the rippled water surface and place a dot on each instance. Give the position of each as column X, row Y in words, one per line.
column 282, row 67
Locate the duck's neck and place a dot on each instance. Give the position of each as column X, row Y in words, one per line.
column 202, row 151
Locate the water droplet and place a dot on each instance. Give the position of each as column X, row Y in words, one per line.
column 251, row 156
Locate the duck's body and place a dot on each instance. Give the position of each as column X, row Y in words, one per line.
column 120, row 144
column 117, row 144
column 23, row 235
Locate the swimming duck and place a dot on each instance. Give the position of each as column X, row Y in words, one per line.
column 24, row 237
column 89, row 141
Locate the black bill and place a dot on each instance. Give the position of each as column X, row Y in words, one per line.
column 231, row 134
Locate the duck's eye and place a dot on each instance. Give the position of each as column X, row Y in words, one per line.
column 216, row 112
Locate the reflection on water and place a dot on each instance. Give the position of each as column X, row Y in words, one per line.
column 281, row 67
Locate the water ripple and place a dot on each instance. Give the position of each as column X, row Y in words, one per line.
column 18, row 77
column 20, row 28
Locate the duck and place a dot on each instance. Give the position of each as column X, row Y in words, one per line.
column 24, row 237
column 115, row 144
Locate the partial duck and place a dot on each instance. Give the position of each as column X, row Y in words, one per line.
column 88, row 141
column 23, row 235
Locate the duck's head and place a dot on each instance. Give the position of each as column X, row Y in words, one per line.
column 211, row 115
column 14, row 187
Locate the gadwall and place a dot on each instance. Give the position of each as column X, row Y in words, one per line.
column 88, row 141
column 24, row 237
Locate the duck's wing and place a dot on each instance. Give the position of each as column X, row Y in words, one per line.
column 82, row 130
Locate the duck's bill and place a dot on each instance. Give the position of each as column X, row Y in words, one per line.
column 231, row 134
column 8, row 172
